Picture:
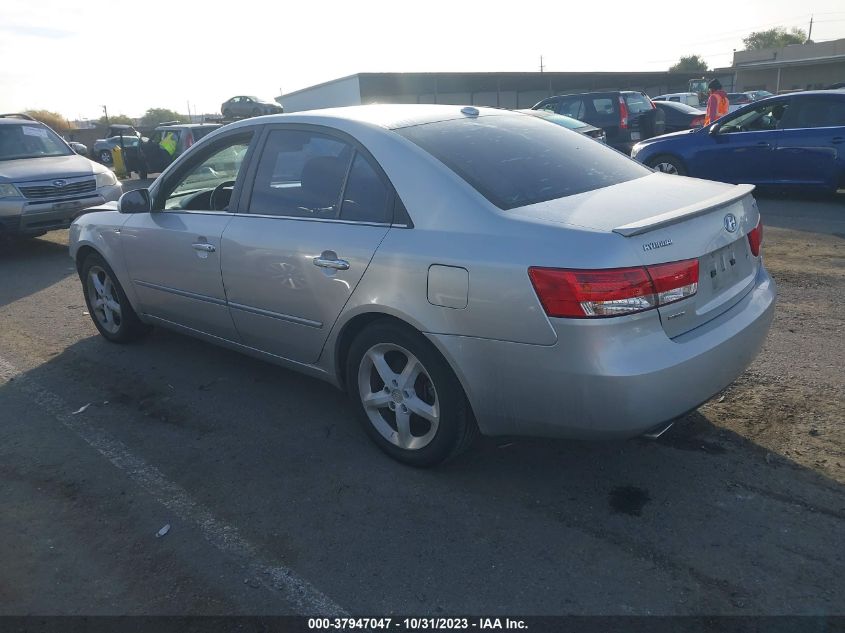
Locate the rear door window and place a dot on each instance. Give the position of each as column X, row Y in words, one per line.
column 638, row 103
column 515, row 161
column 818, row 112
column 572, row 107
column 301, row 174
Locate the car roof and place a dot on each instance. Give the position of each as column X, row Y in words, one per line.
column 187, row 125
column 14, row 120
column 389, row 116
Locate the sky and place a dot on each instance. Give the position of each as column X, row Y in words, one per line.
column 74, row 57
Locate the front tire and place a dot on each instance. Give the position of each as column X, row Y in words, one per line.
column 407, row 397
column 107, row 303
column 667, row 164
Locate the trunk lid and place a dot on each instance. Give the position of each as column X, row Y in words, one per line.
column 665, row 218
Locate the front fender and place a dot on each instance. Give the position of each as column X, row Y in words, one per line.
column 100, row 231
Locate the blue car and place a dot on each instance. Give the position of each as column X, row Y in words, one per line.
column 795, row 140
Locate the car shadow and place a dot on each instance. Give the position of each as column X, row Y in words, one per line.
column 31, row 265
column 701, row 520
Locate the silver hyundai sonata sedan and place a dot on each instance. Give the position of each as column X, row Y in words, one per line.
column 456, row 270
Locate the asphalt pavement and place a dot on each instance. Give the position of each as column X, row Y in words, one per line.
column 278, row 503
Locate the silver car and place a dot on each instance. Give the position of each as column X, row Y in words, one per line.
column 456, row 270
column 44, row 184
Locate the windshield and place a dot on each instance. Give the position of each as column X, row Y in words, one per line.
column 30, row 141
column 516, row 161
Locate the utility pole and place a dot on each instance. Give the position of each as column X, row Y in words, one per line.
column 810, row 32
column 190, row 120
column 541, row 64
column 106, row 112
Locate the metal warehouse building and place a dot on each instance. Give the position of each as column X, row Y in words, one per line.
column 796, row 67
column 504, row 90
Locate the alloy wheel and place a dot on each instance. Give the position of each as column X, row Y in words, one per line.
column 398, row 396
column 103, row 301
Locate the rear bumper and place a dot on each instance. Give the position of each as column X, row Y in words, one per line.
column 611, row 377
column 22, row 217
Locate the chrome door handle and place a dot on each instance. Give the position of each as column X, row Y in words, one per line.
column 335, row 264
column 204, row 246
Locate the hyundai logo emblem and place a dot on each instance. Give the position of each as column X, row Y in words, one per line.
column 730, row 223
column 59, row 183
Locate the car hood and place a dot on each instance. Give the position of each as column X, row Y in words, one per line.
column 625, row 203
column 26, row 169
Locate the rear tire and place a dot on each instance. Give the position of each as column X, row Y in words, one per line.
column 105, row 157
column 108, row 306
column 667, row 164
column 407, row 397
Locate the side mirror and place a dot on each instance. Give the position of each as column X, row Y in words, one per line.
column 79, row 148
column 135, row 201
column 714, row 129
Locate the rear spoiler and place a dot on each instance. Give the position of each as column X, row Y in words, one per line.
column 671, row 217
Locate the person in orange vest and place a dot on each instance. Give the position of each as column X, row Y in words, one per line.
column 717, row 103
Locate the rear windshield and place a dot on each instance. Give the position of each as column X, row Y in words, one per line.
column 637, row 102
column 516, row 161
column 30, row 141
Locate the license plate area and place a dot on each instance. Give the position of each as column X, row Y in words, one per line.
column 723, row 267
column 72, row 205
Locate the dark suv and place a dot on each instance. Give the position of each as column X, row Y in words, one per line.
column 627, row 117
column 154, row 158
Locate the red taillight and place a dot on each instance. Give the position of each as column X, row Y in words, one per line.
column 755, row 238
column 674, row 281
column 613, row 291
column 189, row 140
column 697, row 121
column 623, row 113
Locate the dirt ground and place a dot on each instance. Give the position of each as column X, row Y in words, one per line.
column 797, row 381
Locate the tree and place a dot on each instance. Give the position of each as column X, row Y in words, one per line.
column 774, row 38
column 120, row 118
column 154, row 116
column 690, row 64
column 52, row 119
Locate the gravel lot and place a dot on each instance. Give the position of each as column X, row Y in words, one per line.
column 279, row 504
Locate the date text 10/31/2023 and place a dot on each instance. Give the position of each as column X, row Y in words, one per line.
column 415, row 624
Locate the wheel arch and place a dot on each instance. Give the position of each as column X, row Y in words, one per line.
column 655, row 159
column 355, row 325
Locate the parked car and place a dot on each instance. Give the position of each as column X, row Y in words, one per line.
column 736, row 100
column 569, row 123
column 44, row 184
column 239, row 107
column 626, row 117
column 455, row 269
column 680, row 116
column 101, row 151
column 155, row 159
column 790, row 140
column 756, row 95
column 688, row 98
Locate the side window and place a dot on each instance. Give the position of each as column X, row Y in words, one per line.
column 366, row 197
column 300, row 174
column 760, row 119
column 678, row 99
column 208, row 184
column 818, row 112
column 603, row 106
column 572, row 107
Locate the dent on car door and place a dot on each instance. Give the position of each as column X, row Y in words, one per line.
column 318, row 210
column 811, row 141
column 173, row 253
